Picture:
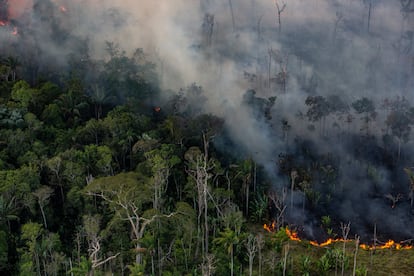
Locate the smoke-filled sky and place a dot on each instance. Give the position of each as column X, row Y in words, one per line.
column 347, row 48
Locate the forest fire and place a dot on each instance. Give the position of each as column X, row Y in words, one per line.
column 293, row 236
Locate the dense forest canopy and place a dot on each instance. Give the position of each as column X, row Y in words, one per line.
column 157, row 137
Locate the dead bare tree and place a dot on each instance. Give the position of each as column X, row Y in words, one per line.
column 123, row 201
column 92, row 228
column 260, row 243
column 199, row 169
column 368, row 4
column 355, row 255
column 345, row 228
column 252, row 247
column 286, row 249
column 279, row 203
column 280, row 8
column 42, row 196
column 293, row 176
column 410, row 174
column 209, row 265
column 232, row 16
column 281, row 76
column 208, row 28
column 394, row 199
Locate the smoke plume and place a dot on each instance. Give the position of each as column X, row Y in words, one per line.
column 340, row 50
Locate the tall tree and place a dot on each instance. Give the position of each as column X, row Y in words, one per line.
column 162, row 160
column 127, row 194
column 42, row 195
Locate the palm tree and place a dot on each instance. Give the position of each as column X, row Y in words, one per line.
column 71, row 105
column 7, row 210
column 228, row 239
column 99, row 97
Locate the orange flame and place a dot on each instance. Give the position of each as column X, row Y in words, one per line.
column 3, row 23
column 270, row 227
column 294, row 237
column 388, row 244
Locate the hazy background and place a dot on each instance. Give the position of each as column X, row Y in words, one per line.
column 348, row 48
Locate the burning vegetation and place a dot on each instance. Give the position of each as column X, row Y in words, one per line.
column 293, row 236
column 161, row 147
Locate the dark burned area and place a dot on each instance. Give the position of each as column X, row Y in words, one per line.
column 379, row 206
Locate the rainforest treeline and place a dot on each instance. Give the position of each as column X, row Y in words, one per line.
column 98, row 178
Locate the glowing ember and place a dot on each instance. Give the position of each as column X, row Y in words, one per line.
column 63, row 9
column 294, row 237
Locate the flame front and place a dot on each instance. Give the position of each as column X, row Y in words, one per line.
column 270, row 227
column 293, row 236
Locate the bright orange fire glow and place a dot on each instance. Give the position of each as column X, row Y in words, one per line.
column 294, row 237
column 270, row 227
column 3, row 23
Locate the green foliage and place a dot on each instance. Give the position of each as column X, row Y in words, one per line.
column 258, row 208
column 22, row 94
column 361, row 271
column 98, row 160
column 324, row 265
column 306, row 265
column 82, row 268
column 326, row 221
column 11, row 117
column 136, row 269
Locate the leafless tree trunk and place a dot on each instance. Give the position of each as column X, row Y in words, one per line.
column 345, row 228
column 286, row 249
column 200, row 167
column 260, row 244
column 293, row 176
column 232, row 16
column 42, row 195
column 208, row 28
column 209, row 265
column 280, row 9
column 355, row 255
column 394, row 199
column 92, row 228
column 252, row 247
column 369, row 14
column 280, row 206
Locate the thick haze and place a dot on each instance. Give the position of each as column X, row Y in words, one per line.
column 325, row 47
